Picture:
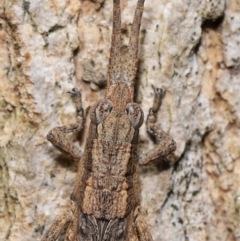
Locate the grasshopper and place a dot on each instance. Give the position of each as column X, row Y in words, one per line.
column 105, row 202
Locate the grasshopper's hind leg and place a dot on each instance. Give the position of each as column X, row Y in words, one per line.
column 165, row 143
column 57, row 136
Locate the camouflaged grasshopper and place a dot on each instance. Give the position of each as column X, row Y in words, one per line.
column 105, row 203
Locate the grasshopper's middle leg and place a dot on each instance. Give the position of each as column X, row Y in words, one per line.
column 72, row 230
column 59, row 223
column 137, row 227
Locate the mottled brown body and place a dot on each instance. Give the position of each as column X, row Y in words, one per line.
column 105, row 202
column 112, row 161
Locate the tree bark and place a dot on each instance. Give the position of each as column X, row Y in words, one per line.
column 190, row 47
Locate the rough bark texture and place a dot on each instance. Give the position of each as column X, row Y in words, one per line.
column 191, row 47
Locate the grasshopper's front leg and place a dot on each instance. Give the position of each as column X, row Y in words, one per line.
column 165, row 143
column 57, row 136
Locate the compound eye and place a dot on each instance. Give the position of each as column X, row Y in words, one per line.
column 100, row 111
column 135, row 114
